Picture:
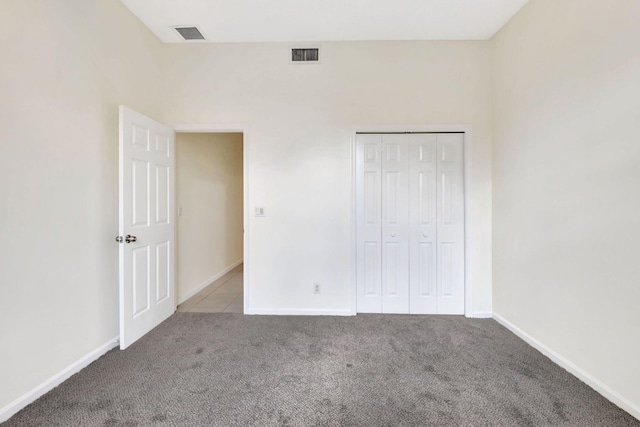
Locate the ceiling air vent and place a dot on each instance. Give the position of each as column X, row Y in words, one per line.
column 305, row 54
column 190, row 33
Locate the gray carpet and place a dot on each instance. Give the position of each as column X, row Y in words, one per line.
column 369, row 370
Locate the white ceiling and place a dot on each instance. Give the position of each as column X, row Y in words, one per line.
column 326, row 20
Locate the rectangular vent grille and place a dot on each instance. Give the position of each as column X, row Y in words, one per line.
column 305, row 55
column 190, row 33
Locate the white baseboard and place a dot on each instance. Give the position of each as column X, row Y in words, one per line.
column 32, row 395
column 298, row 312
column 481, row 315
column 588, row 379
column 210, row 280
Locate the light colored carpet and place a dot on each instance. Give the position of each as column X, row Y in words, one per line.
column 369, row 370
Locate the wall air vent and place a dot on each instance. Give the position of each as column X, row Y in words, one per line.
column 305, row 54
column 190, row 33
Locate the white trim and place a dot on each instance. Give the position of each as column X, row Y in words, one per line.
column 29, row 397
column 244, row 129
column 207, row 282
column 354, row 226
column 217, row 128
column 468, row 230
column 585, row 377
column 481, row 315
column 299, row 312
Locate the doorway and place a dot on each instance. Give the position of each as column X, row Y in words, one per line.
column 210, row 206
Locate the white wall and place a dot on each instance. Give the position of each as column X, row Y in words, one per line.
column 566, row 210
column 66, row 65
column 209, row 195
column 299, row 120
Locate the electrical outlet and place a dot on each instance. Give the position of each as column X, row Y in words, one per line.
column 316, row 288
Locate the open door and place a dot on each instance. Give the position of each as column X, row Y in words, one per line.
column 147, row 227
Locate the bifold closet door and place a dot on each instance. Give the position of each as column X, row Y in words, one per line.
column 382, row 213
column 436, row 218
column 410, row 223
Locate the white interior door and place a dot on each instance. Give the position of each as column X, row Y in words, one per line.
column 395, row 222
column 368, row 223
column 147, row 228
column 423, row 224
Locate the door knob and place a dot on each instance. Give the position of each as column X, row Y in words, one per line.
column 393, row 234
column 119, row 239
column 425, row 235
column 129, row 238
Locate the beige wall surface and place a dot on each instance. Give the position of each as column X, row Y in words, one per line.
column 209, row 196
column 300, row 120
column 566, row 183
column 66, row 65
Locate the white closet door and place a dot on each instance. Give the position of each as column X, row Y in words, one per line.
column 450, row 220
column 410, row 223
column 422, row 224
column 395, row 223
column 368, row 223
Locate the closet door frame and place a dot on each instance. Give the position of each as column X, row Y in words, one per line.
column 468, row 230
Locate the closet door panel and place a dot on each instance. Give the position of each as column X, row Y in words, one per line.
column 395, row 218
column 368, row 223
column 422, row 223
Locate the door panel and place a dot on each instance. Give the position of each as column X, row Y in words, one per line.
column 147, row 262
column 446, row 198
column 368, row 223
column 372, row 269
column 163, row 195
column 140, row 280
column 395, row 220
column 427, row 271
column 163, row 272
column 390, row 201
column 422, row 223
column 140, row 186
column 393, row 267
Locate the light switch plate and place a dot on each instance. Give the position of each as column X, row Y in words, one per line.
column 259, row 211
